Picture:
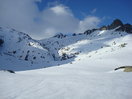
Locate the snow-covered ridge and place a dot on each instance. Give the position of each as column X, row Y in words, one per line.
column 19, row 48
column 61, row 46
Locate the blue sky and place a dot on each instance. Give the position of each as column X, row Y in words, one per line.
column 107, row 9
column 45, row 18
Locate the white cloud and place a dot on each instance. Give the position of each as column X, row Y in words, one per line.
column 89, row 22
column 19, row 14
column 24, row 15
column 60, row 10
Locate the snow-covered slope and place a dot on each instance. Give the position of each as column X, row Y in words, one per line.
column 88, row 77
column 20, row 49
column 83, row 68
column 20, row 52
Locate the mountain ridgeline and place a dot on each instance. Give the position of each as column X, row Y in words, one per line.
column 115, row 24
column 17, row 49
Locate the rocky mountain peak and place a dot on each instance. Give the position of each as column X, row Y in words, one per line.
column 118, row 23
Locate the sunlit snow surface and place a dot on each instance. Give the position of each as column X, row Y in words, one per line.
column 90, row 76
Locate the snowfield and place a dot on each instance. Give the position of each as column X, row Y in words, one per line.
column 88, row 75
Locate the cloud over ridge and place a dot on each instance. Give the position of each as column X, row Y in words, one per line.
column 25, row 16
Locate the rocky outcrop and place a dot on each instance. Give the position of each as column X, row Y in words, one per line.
column 89, row 31
column 125, row 68
column 119, row 25
column 116, row 23
column 128, row 28
column 10, row 71
column 60, row 35
column 103, row 28
column 1, row 42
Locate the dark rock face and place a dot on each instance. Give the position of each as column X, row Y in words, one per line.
column 128, row 28
column 116, row 23
column 10, row 71
column 60, row 35
column 126, row 68
column 1, row 42
column 89, row 31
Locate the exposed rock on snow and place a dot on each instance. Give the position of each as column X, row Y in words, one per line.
column 1, row 42
column 10, row 71
column 121, row 27
column 125, row 68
